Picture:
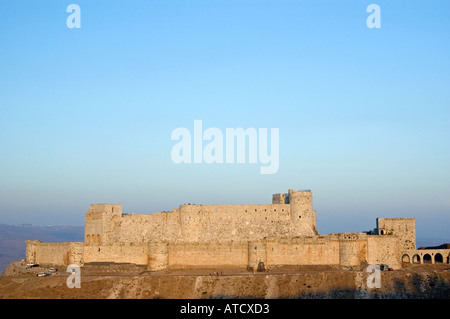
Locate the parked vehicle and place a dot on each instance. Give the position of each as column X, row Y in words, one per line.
column 31, row 264
column 384, row 267
column 42, row 274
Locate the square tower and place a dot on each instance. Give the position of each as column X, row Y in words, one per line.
column 404, row 228
column 98, row 223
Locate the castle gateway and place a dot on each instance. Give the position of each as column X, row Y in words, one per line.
column 209, row 236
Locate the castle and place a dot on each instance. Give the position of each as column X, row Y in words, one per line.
column 252, row 236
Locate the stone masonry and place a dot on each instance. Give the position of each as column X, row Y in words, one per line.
column 211, row 236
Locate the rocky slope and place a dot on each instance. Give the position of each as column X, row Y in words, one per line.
column 104, row 281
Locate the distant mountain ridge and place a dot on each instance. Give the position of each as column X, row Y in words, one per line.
column 13, row 237
column 443, row 246
column 431, row 242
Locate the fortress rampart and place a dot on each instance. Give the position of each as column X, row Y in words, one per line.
column 209, row 236
column 54, row 253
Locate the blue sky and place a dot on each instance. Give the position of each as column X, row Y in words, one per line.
column 363, row 114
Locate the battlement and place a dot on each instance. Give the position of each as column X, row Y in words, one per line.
column 351, row 236
column 280, row 198
column 105, row 208
column 284, row 198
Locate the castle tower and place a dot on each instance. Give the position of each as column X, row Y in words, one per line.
column 404, row 228
column 257, row 255
column 351, row 251
column 302, row 213
column 158, row 255
column 280, row 199
column 98, row 223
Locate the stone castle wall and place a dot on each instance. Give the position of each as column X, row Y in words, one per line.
column 54, row 253
column 119, row 253
column 404, row 228
column 349, row 249
column 384, row 250
column 208, row 255
column 281, row 233
column 205, row 223
column 105, row 224
column 311, row 250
